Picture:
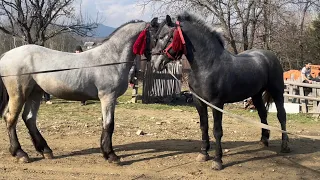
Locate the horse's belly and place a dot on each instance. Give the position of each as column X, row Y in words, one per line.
column 68, row 91
column 73, row 94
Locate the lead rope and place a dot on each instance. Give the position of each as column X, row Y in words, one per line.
column 254, row 122
column 69, row 69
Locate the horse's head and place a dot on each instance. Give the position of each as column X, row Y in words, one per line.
column 146, row 39
column 168, row 44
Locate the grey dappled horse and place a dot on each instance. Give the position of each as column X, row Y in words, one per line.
column 103, row 83
column 220, row 77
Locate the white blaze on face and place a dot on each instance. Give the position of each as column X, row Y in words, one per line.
column 157, row 61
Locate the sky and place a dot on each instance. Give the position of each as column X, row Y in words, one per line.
column 116, row 12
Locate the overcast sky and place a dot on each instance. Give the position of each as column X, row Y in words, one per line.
column 116, row 12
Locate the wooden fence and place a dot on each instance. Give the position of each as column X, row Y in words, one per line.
column 307, row 95
column 159, row 86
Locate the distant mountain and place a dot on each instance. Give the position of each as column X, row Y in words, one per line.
column 102, row 31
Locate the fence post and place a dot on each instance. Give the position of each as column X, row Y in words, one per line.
column 303, row 101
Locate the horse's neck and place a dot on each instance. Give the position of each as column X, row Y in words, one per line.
column 207, row 56
column 208, row 49
column 121, row 42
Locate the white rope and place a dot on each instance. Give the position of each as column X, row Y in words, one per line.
column 255, row 123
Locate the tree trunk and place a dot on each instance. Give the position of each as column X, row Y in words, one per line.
column 301, row 46
column 266, row 14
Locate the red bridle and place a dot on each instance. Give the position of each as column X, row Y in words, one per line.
column 178, row 44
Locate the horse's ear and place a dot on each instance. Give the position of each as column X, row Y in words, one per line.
column 154, row 22
column 168, row 20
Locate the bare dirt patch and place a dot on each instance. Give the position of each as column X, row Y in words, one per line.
column 167, row 150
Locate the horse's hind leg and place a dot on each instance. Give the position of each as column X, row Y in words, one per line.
column 281, row 114
column 262, row 111
column 218, row 133
column 29, row 116
column 11, row 117
column 108, row 107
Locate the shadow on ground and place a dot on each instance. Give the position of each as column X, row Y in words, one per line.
column 173, row 147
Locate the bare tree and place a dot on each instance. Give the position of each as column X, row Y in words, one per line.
column 238, row 18
column 270, row 24
column 36, row 21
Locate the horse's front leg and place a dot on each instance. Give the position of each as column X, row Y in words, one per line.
column 205, row 145
column 108, row 106
column 218, row 133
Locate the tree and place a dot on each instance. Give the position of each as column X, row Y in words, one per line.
column 312, row 42
column 288, row 37
column 238, row 18
column 270, row 24
column 36, row 21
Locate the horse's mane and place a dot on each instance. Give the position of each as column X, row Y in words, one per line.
column 196, row 19
column 132, row 21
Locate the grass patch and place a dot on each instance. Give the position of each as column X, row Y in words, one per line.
column 93, row 109
column 300, row 117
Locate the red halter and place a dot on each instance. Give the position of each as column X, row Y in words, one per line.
column 178, row 44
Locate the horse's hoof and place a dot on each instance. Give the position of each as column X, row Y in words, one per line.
column 202, row 157
column 216, row 165
column 285, row 149
column 23, row 159
column 264, row 143
column 113, row 158
column 48, row 155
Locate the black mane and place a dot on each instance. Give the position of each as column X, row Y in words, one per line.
column 194, row 19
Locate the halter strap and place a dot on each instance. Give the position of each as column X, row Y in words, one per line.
column 177, row 31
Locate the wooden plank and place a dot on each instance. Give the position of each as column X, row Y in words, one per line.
column 303, row 101
column 162, row 84
column 302, row 84
column 291, row 92
column 286, row 98
column 317, row 112
column 302, row 97
column 314, row 103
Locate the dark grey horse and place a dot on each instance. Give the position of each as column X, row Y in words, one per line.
column 220, row 77
column 102, row 83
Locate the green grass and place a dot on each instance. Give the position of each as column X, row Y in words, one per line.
column 123, row 102
column 300, row 117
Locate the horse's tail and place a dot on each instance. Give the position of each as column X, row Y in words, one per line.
column 4, row 97
column 267, row 99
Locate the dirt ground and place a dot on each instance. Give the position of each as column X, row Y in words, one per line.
column 167, row 151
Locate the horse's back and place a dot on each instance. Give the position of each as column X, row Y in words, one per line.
column 78, row 84
column 272, row 63
column 264, row 56
column 28, row 56
column 247, row 74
